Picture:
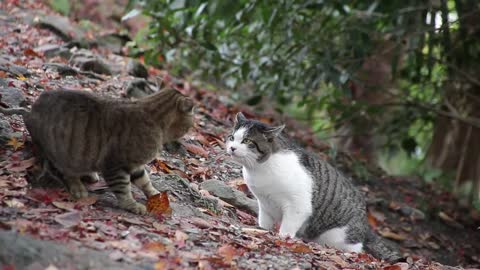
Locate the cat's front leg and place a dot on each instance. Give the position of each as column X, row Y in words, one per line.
column 265, row 219
column 140, row 178
column 292, row 220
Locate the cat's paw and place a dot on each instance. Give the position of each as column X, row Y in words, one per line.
column 78, row 192
column 135, row 207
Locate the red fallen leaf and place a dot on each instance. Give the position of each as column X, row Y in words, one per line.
column 202, row 139
column 195, row 149
column 69, row 219
column 159, row 204
column 227, row 252
column 8, row 267
column 3, row 74
column 21, row 166
column 42, row 195
column 30, row 52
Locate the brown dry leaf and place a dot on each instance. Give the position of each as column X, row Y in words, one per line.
column 3, row 74
column 161, row 265
column 69, row 206
column 300, row 248
column 180, row 236
column 154, row 246
column 87, row 201
column 159, row 204
column 253, row 231
column 195, row 149
column 449, row 220
column 15, row 143
column 391, row 235
column 339, row 261
column 372, row 220
column 201, row 223
column 227, row 252
column 163, row 166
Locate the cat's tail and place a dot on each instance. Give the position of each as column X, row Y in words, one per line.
column 19, row 111
column 379, row 248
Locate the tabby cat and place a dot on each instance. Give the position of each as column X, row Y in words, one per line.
column 306, row 195
column 80, row 133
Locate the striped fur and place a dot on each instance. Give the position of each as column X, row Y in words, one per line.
column 80, row 133
column 308, row 197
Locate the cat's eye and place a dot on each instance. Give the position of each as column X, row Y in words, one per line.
column 230, row 138
column 247, row 141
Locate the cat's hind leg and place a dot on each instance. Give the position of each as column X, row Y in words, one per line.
column 118, row 181
column 140, row 178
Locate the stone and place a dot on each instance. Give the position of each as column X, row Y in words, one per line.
column 136, row 69
column 6, row 131
column 87, row 61
column 52, row 50
column 412, row 212
column 114, row 42
column 12, row 97
column 230, row 195
column 59, row 25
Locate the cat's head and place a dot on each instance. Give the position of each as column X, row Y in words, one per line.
column 181, row 118
column 252, row 142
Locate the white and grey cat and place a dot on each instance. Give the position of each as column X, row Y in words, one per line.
column 306, row 195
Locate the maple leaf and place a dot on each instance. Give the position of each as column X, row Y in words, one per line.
column 30, row 52
column 159, row 204
column 15, row 143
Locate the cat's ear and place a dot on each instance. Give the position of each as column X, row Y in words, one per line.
column 274, row 131
column 239, row 118
column 185, row 104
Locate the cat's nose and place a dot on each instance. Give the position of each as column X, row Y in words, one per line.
column 233, row 149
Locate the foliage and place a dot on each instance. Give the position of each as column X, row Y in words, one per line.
column 62, row 6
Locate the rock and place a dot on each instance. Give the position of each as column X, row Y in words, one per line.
column 12, row 97
column 52, row 50
column 59, row 25
column 87, row 61
column 231, row 196
column 136, row 69
column 138, row 88
column 6, row 131
column 62, row 69
column 24, row 252
column 113, row 42
column 7, row 66
column 412, row 212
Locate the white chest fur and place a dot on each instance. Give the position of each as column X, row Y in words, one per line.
column 283, row 188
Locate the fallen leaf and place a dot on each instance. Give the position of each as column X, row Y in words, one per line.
column 154, row 246
column 69, row 206
column 87, row 201
column 300, row 248
column 227, row 252
column 449, row 220
column 69, row 219
column 163, row 166
column 42, row 195
column 134, row 221
column 14, row 203
column 3, row 74
column 254, row 231
column 180, row 236
column 15, row 143
column 161, row 265
column 21, row 77
column 30, row 52
column 392, row 267
column 339, row 261
column 201, row 223
column 21, row 166
column 195, row 149
column 392, row 235
column 159, row 204
column 372, row 220
column 116, row 255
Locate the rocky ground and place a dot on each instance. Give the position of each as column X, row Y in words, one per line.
column 206, row 218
